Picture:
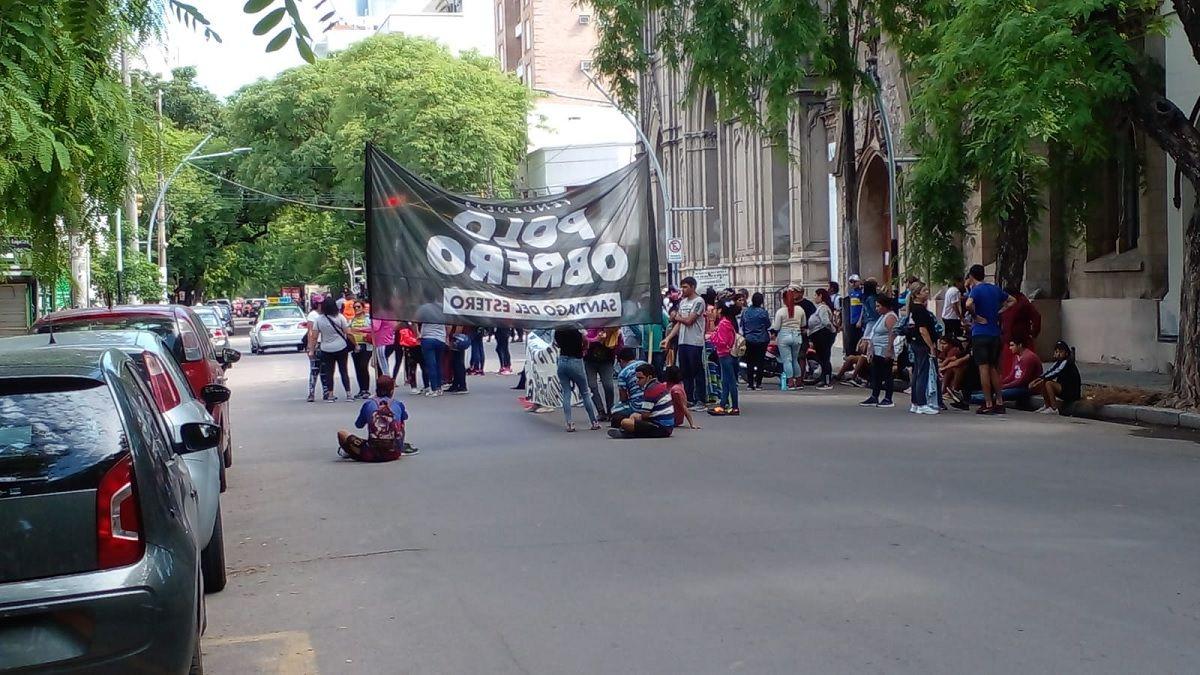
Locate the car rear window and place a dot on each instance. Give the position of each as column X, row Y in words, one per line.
column 282, row 313
column 209, row 319
column 163, row 327
column 56, row 434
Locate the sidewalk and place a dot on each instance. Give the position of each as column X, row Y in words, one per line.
column 1105, row 374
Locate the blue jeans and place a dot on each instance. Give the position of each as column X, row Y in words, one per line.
column 431, row 358
column 571, row 371
column 790, row 344
column 695, row 376
column 1019, row 394
column 729, row 388
column 477, row 356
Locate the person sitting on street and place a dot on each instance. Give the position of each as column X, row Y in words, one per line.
column 674, row 379
column 854, row 370
column 952, row 366
column 1060, row 384
column 1026, row 367
column 384, row 418
column 657, row 416
column 629, row 392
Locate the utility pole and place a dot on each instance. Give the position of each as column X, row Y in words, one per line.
column 120, row 244
column 161, row 212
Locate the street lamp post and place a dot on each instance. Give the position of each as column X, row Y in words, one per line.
column 158, row 201
column 668, row 210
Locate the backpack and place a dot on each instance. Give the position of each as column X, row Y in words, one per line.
column 384, row 431
column 738, row 350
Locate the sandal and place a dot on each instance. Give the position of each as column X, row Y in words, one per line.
column 735, row 411
column 570, row 427
column 595, row 426
column 717, row 411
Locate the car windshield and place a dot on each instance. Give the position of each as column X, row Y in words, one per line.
column 275, row 313
column 58, row 431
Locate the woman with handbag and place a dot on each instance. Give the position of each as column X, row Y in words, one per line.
column 331, row 343
column 361, row 335
column 823, row 333
column 725, row 342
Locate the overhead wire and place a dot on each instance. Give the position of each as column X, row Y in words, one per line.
column 281, row 198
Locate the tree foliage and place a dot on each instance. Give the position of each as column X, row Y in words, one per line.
column 140, row 277
column 187, row 104
column 458, row 121
column 64, row 118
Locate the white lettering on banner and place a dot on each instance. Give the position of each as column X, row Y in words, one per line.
column 462, row 302
column 487, row 260
column 479, row 225
column 446, row 255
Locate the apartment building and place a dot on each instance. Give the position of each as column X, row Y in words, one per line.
column 461, row 25
column 575, row 135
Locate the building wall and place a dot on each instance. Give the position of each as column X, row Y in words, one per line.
column 472, row 28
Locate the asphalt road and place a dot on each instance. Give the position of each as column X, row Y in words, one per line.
column 807, row 536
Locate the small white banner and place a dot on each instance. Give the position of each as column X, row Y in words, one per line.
column 461, row 302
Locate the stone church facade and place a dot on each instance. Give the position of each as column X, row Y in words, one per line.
column 769, row 211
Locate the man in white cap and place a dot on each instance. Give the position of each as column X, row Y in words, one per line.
column 853, row 330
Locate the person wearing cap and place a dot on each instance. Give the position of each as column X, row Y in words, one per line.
column 854, row 332
column 1060, row 384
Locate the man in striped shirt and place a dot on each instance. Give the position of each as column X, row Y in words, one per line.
column 656, row 417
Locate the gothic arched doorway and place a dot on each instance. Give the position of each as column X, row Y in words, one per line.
column 874, row 226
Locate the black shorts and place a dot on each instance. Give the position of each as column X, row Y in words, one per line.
column 644, row 429
column 985, row 350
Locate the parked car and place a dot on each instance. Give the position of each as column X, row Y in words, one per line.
column 218, row 331
column 279, row 327
column 225, row 307
column 151, row 357
column 180, row 329
column 100, row 566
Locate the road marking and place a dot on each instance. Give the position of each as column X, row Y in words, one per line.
column 296, row 655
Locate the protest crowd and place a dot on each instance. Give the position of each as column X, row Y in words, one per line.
column 975, row 348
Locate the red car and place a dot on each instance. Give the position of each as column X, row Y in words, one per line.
column 182, row 331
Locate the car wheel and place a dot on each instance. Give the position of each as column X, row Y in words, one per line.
column 212, row 559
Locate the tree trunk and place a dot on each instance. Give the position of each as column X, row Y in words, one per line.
column 1186, row 380
column 850, row 194
column 1012, row 246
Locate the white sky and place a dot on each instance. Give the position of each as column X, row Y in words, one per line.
column 240, row 59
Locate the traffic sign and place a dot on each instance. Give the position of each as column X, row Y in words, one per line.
column 674, row 250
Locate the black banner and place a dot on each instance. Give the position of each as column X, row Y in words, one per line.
column 584, row 258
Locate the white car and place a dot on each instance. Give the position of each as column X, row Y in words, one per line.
column 218, row 333
column 174, row 399
column 279, row 327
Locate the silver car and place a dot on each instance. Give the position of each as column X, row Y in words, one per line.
column 100, row 568
column 151, row 357
column 218, row 332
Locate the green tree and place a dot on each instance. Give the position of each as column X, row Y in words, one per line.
column 458, row 121
column 140, row 277
column 187, row 104
column 64, row 118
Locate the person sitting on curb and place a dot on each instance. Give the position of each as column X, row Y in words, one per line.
column 629, row 392
column 1060, row 385
column 384, row 419
column 952, row 366
column 1026, row 367
column 657, row 416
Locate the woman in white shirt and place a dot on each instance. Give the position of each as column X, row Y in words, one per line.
column 788, row 327
column 329, row 342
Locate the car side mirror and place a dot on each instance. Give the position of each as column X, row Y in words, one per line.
column 199, row 436
column 214, row 394
column 228, row 356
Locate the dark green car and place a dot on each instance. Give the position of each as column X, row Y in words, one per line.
column 99, row 563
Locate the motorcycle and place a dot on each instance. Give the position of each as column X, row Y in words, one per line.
column 773, row 366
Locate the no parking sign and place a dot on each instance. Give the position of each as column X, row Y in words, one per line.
column 674, row 250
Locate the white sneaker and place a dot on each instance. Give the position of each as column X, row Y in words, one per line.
column 912, row 408
column 927, row 410
column 1047, row 410
column 416, row 392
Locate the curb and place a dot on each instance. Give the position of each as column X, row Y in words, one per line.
column 1137, row 414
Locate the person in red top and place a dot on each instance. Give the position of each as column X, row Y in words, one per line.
column 1026, row 367
column 1022, row 321
column 723, row 340
column 409, row 344
column 673, row 376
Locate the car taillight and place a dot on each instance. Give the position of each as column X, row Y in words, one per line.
column 118, row 517
column 217, row 332
column 265, row 326
column 166, row 396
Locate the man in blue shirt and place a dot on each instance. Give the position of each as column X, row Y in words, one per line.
column 629, row 390
column 986, row 302
column 656, row 418
column 853, row 331
column 385, row 432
